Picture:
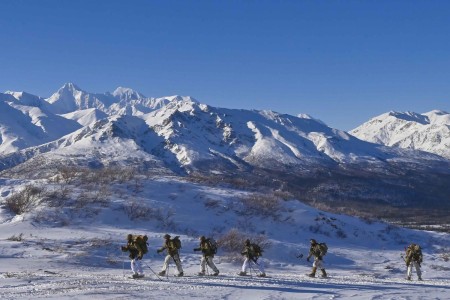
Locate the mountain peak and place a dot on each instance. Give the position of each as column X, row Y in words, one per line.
column 70, row 86
column 124, row 93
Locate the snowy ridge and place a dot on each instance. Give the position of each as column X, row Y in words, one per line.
column 427, row 132
column 183, row 132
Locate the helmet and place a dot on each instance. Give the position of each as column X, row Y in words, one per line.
column 313, row 241
column 129, row 237
column 167, row 236
column 202, row 238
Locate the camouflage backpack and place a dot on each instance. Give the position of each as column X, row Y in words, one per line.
column 256, row 250
column 176, row 242
column 212, row 244
column 415, row 252
column 141, row 241
column 323, row 249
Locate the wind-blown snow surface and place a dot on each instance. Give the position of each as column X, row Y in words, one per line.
column 427, row 132
column 74, row 253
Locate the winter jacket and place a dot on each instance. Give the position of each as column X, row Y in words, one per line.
column 315, row 251
column 134, row 249
column 250, row 252
column 413, row 253
column 170, row 246
column 205, row 248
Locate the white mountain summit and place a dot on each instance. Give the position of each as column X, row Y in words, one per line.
column 427, row 132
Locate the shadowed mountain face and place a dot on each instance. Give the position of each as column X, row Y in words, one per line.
column 299, row 156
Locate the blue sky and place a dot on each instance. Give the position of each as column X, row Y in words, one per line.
column 340, row 61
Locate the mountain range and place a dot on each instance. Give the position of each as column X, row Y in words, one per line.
column 391, row 158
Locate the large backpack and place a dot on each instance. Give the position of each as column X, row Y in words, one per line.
column 256, row 250
column 176, row 242
column 416, row 252
column 212, row 245
column 141, row 241
column 323, row 249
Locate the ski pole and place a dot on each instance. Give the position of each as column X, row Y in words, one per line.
column 251, row 268
column 123, row 264
column 167, row 270
column 152, row 270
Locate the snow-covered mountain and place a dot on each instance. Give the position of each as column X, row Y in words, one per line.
column 185, row 136
column 70, row 98
column 23, row 126
column 427, row 132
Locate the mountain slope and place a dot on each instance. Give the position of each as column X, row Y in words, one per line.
column 427, row 132
column 26, row 126
column 195, row 132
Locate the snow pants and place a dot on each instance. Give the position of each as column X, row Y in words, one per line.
column 208, row 260
column 318, row 264
column 247, row 263
column 417, row 266
column 176, row 259
column 136, row 266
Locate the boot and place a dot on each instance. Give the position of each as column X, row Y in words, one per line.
column 180, row 274
column 324, row 274
column 242, row 273
column 261, row 275
column 202, row 273
column 216, row 273
column 313, row 272
column 162, row 273
column 408, row 278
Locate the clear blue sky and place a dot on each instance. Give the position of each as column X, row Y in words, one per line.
column 340, row 61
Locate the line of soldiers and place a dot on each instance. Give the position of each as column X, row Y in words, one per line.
column 252, row 253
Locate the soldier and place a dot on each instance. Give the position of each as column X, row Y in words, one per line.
column 318, row 251
column 172, row 246
column 413, row 258
column 252, row 252
column 208, row 251
column 137, row 246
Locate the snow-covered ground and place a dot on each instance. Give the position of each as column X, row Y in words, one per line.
column 62, row 252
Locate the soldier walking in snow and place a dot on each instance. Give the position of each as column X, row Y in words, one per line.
column 413, row 258
column 252, row 252
column 208, row 251
column 172, row 246
column 137, row 246
column 318, row 251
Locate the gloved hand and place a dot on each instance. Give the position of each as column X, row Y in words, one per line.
column 124, row 248
column 196, row 249
column 159, row 251
column 139, row 257
column 319, row 258
column 307, row 259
